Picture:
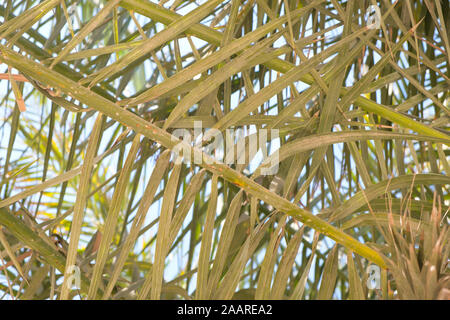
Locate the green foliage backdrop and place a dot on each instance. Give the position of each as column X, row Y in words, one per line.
column 92, row 92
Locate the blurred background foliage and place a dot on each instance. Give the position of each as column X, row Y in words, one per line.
column 91, row 91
